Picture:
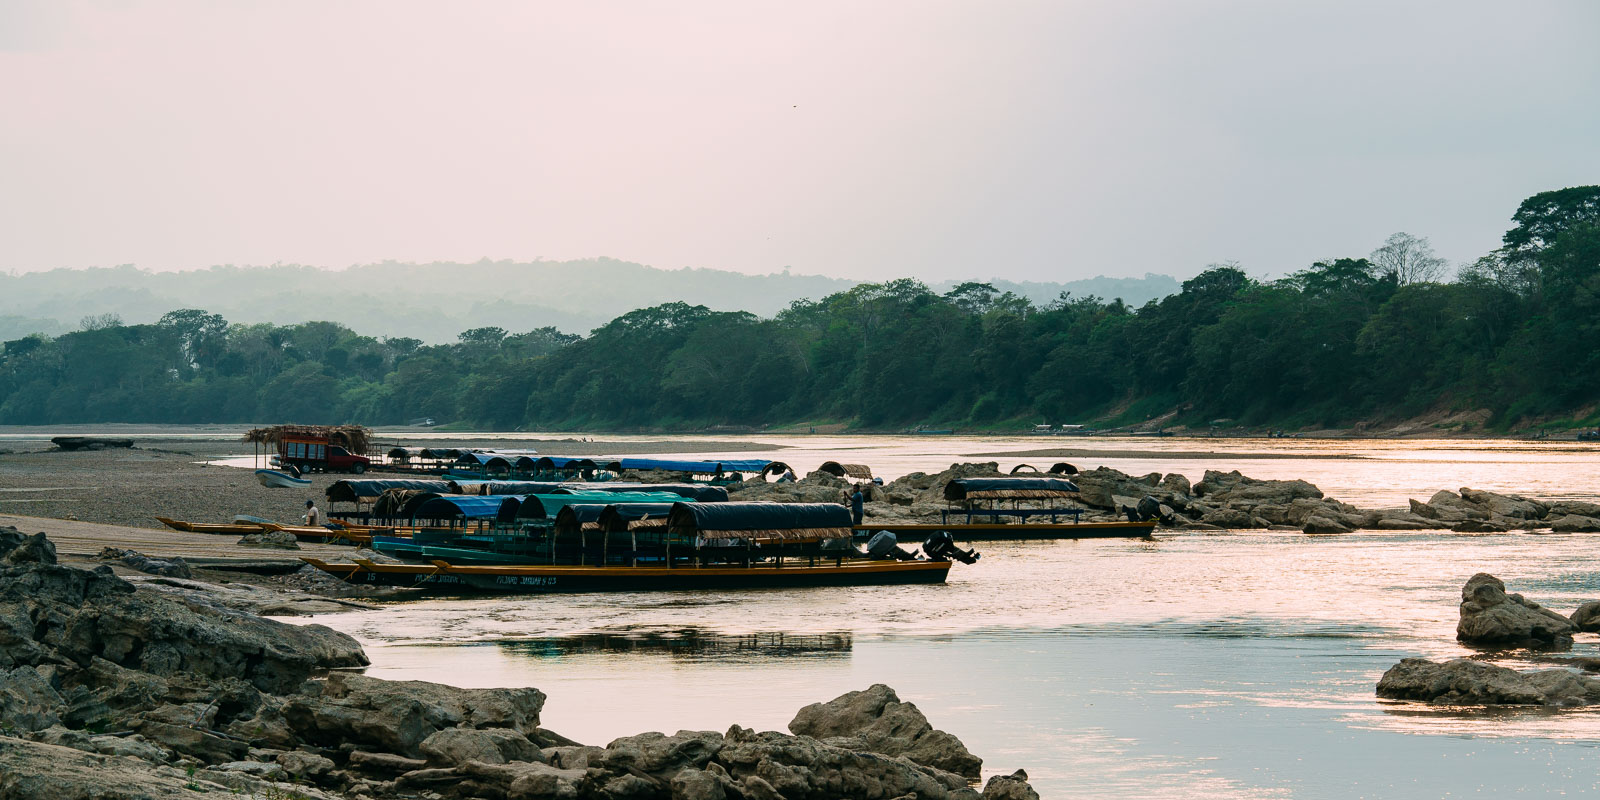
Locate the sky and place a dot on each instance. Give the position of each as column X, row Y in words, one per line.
column 940, row 140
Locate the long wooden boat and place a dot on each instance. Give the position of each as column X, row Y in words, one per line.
column 442, row 576
column 233, row 529
column 988, row 531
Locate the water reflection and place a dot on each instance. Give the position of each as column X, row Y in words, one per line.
column 686, row 644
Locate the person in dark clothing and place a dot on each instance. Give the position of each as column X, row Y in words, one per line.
column 856, row 502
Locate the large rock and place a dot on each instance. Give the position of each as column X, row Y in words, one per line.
column 1575, row 523
column 488, row 745
column 1447, row 506
column 1231, row 519
column 1464, row 681
column 1587, row 617
column 397, row 716
column 1504, row 505
column 27, row 701
column 1490, row 616
column 1239, row 491
column 877, row 721
column 772, row 765
column 277, row 540
column 173, row 568
column 17, row 547
column 1321, row 524
column 660, row 754
column 1009, row 787
column 1561, row 508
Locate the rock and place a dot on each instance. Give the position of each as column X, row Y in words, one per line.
column 384, row 763
column 1574, row 523
column 174, row 568
column 697, row 784
column 305, row 766
column 260, row 769
column 397, row 716
column 802, row 766
column 202, row 745
column 17, row 547
column 64, row 737
column 1489, row 616
column 1447, row 506
column 1463, row 681
column 524, row 779
column 1502, row 505
column 1230, row 519
column 1479, row 526
column 134, row 746
column 489, row 745
column 1102, row 486
column 1321, row 524
column 30, row 770
column 1242, row 492
column 661, row 754
column 1009, row 787
column 1587, row 617
column 27, row 701
column 877, row 721
column 1562, row 508
column 278, row 540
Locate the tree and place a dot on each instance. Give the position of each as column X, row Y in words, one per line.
column 1542, row 218
column 96, row 322
column 1410, row 259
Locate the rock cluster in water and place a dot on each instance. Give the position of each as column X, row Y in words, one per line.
column 1219, row 501
column 1492, row 619
column 113, row 690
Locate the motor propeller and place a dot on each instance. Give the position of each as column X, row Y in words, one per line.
column 942, row 547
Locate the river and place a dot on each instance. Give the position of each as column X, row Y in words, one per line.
column 1197, row 665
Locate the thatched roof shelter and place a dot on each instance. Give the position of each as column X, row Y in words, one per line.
column 1008, row 489
column 856, row 471
column 761, row 523
column 351, row 437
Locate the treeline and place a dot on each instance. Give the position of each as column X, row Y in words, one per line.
column 1348, row 339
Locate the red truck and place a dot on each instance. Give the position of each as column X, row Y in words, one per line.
column 319, row 448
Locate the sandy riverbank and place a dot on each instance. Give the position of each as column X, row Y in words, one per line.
column 168, row 477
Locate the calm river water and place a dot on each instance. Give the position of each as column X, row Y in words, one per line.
column 1196, row 665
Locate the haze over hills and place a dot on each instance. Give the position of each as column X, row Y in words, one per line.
column 434, row 302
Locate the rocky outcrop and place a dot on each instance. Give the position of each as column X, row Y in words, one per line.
column 206, row 698
column 1491, row 617
column 878, row 721
column 132, row 559
column 1587, row 617
column 1575, row 523
column 1463, row 681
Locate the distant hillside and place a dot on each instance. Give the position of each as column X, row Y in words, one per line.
column 434, row 302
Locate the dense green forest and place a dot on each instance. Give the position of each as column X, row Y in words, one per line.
column 1343, row 340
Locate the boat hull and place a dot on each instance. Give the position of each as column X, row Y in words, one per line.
column 273, row 479
column 978, row 531
column 444, row 577
column 235, row 529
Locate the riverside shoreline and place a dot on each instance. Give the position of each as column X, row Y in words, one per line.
column 115, row 689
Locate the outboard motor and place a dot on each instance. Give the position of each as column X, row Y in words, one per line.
column 941, row 547
column 884, row 546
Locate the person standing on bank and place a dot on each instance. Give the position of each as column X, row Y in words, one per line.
column 313, row 516
column 856, row 501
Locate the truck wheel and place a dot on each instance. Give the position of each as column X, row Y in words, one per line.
column 358, row 468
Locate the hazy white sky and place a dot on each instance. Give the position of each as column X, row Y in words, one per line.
column 1043, row 141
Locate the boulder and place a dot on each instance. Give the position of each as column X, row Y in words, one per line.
column 397, row 716
column 1504, row 505
column 771, row 764
column 1230, row 519
column 27, row 701
column 1009, row 787
column 1321, row 524
column 1447, row 506
column 1239, row 491
column 134, row 746
column 1575, row 523
column 1479, row 526
column 659, row 754
column 877, row 721
column 490, row 745
column 1587, row 617
column 304, row 766
column 277, row 540
column 1490, row 616
column 1561, row 508
column 1463, row 681
column 173, row 568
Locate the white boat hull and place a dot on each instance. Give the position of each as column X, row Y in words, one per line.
column 274, row 479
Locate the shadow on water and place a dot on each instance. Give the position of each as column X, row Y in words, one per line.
column 688, row 644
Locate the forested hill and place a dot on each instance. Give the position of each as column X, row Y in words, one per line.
column 1358, row 338
column 434, row 302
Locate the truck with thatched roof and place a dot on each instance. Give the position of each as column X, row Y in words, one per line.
column 316, row 448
